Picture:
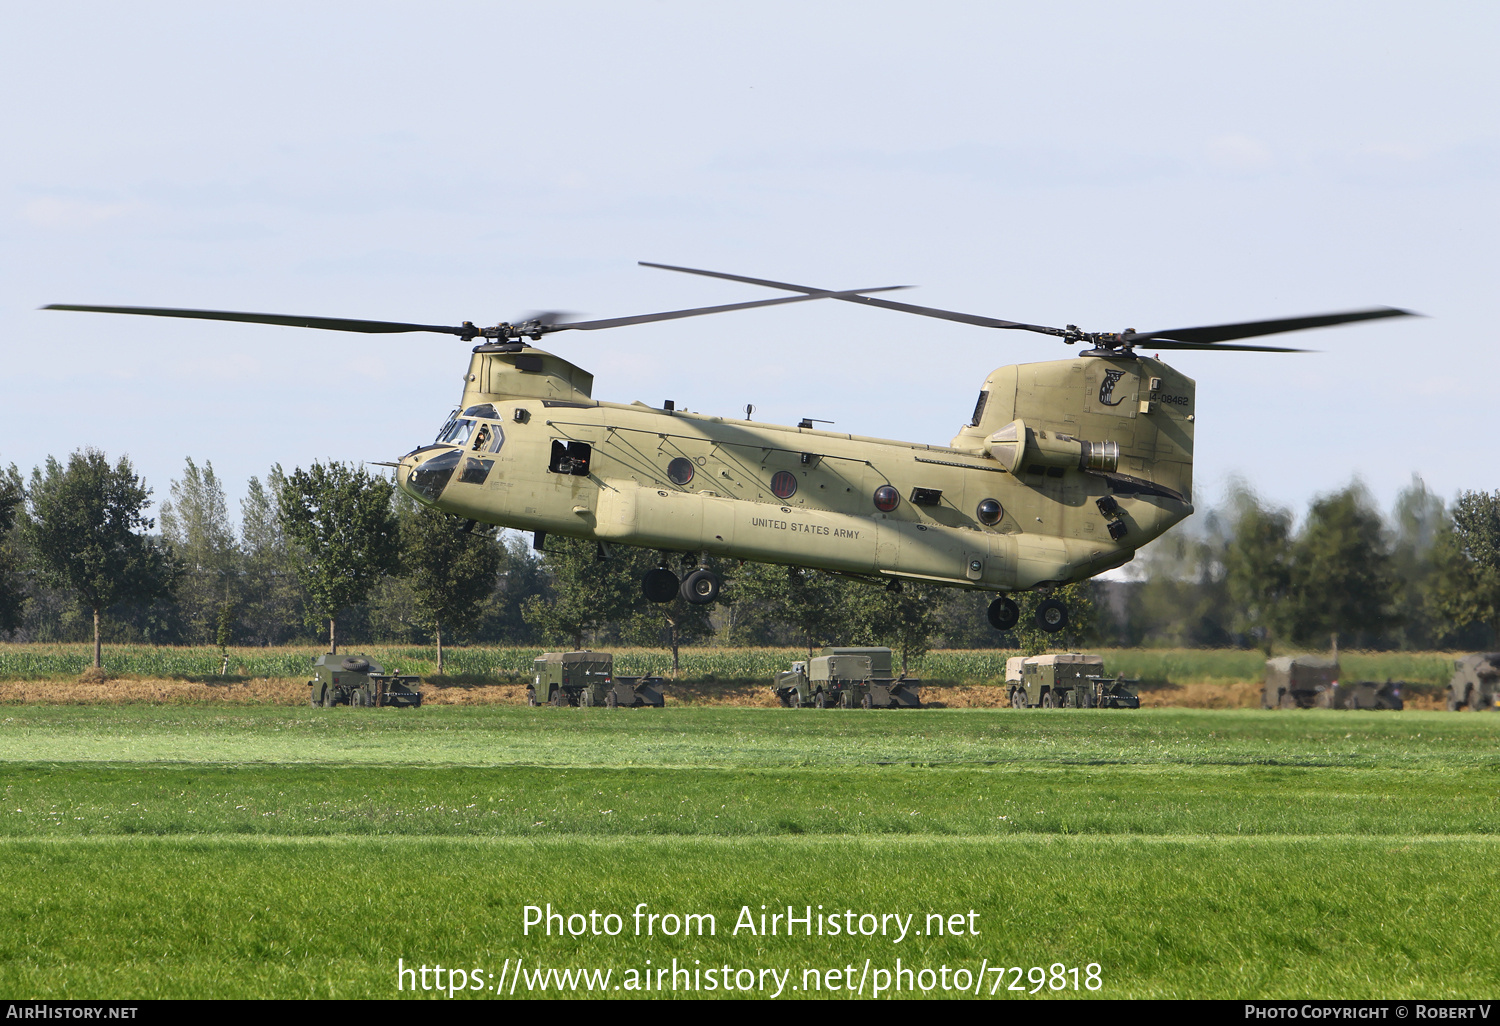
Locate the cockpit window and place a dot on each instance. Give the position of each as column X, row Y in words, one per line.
column 484, row 411
column 456, row 431
column 488, row 438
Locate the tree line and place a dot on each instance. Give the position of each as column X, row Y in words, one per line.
column 335, row 552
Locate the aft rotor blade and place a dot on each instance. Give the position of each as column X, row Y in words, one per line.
column 1251, row 329
column 886, row 304
column 617, row 322
column 1210, row 347
column 326, row 323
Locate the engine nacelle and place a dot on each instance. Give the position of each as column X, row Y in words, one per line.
column 1015, row 445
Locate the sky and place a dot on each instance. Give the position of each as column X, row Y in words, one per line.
column 1146, row 165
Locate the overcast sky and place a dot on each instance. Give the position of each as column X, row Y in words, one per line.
column 1111, row 165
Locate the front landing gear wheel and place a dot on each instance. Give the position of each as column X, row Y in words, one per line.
column 1051, row 616
column 1003, row 614
column 701, row 587
column 660, row 585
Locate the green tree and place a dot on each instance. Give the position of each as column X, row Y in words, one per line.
column 195, row 523
column 86, row 530
column 340, row 519
column 1341, row 573
column 903, row 620
column 1258, row 567
column 12, row 586
column 588, row 593
column 1419, row 523
column 1468, row 563
column 272, row 608
column 451, row 572
column 812, row 605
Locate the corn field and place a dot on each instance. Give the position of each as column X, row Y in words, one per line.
column 978, row 666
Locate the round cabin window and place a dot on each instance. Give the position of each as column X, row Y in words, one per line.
column 680, row 471
column 784, row 484
column 990, row 511
column 887, row 498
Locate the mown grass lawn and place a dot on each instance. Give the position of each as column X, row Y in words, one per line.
column 281, row 852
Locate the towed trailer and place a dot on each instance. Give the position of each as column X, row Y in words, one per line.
column 1312, row 682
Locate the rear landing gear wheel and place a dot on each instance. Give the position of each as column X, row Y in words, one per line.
column 660, row 585
column 1051, row 616
column 1003, row 614
column 701, row 587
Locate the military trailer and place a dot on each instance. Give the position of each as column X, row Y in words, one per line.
column 1368, row 694
column 1070, row 680
column 588, row 679
column 360, row 680
column 1475, row 683
column 847, row 677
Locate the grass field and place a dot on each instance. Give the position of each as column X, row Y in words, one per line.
column 150, row 851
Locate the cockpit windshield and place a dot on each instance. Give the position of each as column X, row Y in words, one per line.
column 456, row 431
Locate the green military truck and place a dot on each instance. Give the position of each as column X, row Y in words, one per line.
column 360, row 680
column 1475, row 683
column 846, row 678
column 1068, row 680
column 588, row 679
column 1312, row 682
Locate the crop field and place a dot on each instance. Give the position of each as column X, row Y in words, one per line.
column 268, row 851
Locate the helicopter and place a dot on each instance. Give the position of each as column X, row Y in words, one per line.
column 1062, row 472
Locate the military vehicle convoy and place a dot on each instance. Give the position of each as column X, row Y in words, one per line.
column 1475, row 683
column 1067, row 680
column 360, row 680
column 1312, row 682
column 846, row 678
column 588, row 679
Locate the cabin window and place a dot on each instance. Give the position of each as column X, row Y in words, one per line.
column 680, row 471
column 989, row 511
column 571, row 458
column 783, row 484
column 926, row 496
column 484, row 411
column 886, row 498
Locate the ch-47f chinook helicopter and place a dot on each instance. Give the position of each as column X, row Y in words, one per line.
column 1063, row 471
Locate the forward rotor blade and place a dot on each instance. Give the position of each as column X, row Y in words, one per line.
column 1252, row 329
column 326, row 323
column 886, row 304
column 616, row 322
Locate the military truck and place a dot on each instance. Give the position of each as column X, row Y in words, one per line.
column 360, row 680
column 1069, row 680
column 1300, row 682
column 847, row 677
column 588, row 679
column 1475, row 683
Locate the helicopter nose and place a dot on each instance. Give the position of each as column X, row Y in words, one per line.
column 427, row 479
